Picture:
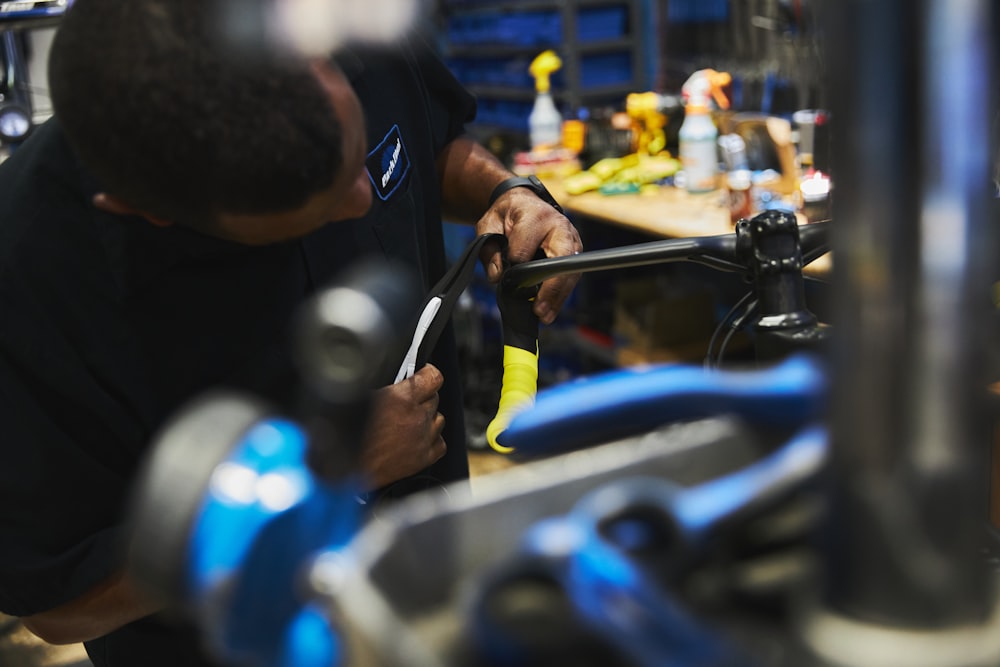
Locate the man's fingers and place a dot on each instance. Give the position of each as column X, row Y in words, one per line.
column 426, row 382
column 436, row 447
column 490, row 254
column 431, row 404
column 493, row 263
column 561, row 242
column 437, row 427
column 437, row 451
column 552, row 295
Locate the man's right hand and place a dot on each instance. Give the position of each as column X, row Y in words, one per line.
column 405, row 434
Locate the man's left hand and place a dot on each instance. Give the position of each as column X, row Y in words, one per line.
column 530, row 225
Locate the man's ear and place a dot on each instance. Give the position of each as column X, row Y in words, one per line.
column 114, row 205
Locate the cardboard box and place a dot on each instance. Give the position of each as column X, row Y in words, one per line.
column 658, row 320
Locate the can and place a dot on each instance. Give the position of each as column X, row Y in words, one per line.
column 740, row 203
column 815, row 192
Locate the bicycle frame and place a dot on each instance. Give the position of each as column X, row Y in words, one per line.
column 769, row 250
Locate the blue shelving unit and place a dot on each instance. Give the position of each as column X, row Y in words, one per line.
column 606, row 46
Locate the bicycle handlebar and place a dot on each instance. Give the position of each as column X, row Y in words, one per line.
column 725, row 252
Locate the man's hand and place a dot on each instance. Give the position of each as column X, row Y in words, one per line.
column 405, row 435
column 469, row 173
column 531, row 224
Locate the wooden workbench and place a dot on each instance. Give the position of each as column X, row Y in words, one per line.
column 667, row 212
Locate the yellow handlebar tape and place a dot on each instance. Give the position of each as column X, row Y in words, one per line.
column 517, row 391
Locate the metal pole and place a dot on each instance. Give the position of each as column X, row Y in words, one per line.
column 914, row 249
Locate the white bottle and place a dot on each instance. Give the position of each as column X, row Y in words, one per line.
column 698, row 152
column 544, row 122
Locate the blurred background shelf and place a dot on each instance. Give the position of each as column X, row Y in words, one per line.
column 607, row 47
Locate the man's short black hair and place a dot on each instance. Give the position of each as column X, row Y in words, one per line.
column 177, row 120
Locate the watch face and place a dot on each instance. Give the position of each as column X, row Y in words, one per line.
column 14, row 123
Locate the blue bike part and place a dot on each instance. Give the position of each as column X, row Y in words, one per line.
column 605, row 583
column 309, row 641
column 696, row 511
column 629, row 402
column 265, row 515
column 610, row 597
column 610, row 591
column 614, row 595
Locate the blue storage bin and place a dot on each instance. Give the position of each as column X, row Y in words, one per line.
column 605, row 69
column 690, row 11
column 600, row 23
column 500, row 72
column 506, row 28
column 512, row 115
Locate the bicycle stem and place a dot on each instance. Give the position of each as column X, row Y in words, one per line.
column 784, row 323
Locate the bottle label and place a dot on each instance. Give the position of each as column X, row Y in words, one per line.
column 546, row 134
column 700, row 164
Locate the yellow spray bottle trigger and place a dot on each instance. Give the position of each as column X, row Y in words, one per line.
column 542, row 67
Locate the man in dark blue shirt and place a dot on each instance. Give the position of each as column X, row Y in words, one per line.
column 156, row 238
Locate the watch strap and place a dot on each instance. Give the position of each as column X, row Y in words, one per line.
column 532, row 183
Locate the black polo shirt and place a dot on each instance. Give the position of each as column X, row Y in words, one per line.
column 108, row 324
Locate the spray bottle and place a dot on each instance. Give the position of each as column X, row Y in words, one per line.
column 698, row 133
column 545, row 121
column 649, row 115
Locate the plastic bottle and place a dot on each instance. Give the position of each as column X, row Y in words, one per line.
column 545, row 121
column 698, row 134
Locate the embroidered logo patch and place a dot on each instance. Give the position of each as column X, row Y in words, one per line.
column 388, row 164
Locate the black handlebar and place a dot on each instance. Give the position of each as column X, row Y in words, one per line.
column 725, row 252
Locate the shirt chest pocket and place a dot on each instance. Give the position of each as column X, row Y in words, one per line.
column 399, row 228
column 397, row 216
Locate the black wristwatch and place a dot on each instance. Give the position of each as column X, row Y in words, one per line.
column 530, row 182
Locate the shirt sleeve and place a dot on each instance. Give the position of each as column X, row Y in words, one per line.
column 61, row 500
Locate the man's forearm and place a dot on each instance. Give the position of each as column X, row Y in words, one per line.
column 103, row 609
column 468, row 174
